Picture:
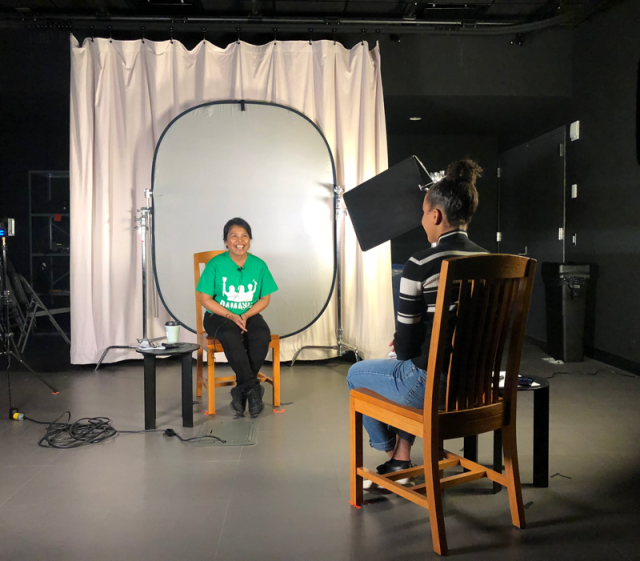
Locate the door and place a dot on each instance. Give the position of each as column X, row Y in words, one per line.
column 532, row 187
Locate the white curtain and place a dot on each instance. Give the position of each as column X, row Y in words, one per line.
column 124, row 94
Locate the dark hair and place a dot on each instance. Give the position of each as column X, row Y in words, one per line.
column 456, row 194
column 236, row 222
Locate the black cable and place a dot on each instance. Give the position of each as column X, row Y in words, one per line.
column 601, row 371
column 92, row 430
column 171, row 432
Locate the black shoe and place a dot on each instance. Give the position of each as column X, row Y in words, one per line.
column 254, row 395
column 238, row 400
column 390, row 466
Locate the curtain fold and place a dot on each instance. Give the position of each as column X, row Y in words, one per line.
column 123, row 96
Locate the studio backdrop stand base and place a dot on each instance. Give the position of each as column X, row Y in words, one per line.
column 341, row 347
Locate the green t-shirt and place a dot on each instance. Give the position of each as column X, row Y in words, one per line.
column 236, row 290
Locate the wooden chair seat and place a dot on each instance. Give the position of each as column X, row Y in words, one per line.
column 494, row 294
column 214, row 346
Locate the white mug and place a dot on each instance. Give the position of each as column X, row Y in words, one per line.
column 173, row 331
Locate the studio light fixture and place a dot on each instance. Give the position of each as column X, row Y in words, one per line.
column 415, row 118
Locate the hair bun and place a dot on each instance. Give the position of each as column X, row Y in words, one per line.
column 466, row 170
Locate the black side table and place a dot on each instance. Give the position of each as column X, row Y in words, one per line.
column 185, row 350
column 540, row 437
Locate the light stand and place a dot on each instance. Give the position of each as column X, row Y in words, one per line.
column 341, row 347
column 9, row 348
column 143, row 227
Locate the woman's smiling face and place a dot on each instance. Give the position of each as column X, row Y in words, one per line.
column 238, row 241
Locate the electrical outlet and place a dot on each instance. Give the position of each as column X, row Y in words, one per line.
column 574, row 239
column 574, row 191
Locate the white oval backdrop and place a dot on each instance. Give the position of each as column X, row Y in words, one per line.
column 267, row 164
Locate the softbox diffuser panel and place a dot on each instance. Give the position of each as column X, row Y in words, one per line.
column 262, row 162
column 388, row 204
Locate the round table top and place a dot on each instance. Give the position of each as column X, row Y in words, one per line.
column 544, row 383
column 182, row 349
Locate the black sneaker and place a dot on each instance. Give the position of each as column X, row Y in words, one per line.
column 254, row 395
column 391, row 466
column 238, row 400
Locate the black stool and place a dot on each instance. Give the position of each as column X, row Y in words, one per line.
column 185, row 350
column 540, row 437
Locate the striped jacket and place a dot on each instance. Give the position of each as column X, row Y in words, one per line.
column 418, row 291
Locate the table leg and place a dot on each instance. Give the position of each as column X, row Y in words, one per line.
column 471, row 448
column 541, row 437
column 497, row 457
column 149, row 391
column 187, row 390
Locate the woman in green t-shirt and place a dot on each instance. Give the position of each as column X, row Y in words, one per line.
column 235, row 287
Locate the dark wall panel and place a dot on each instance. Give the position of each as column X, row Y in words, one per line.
column 34, row 112
column 478, row 66
column 606, row 214
column 436, row 152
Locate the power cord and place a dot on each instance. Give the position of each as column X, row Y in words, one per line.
column 93, row 430
column 601, row 371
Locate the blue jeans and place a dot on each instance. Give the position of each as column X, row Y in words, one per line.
column 398, row 380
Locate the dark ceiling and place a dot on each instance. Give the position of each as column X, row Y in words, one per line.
column 332, row 16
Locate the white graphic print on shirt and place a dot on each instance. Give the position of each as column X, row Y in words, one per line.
column 238, row 297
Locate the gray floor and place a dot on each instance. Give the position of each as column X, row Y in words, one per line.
column 146, row 497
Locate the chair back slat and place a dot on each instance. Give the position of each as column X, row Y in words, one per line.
column 475, row 393
column 454, row 383
column 201, row 258
column 484, row 395
column 493, row 296
column 470, row 327
column 510, row 291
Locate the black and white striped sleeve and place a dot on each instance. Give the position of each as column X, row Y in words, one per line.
column 410, row 328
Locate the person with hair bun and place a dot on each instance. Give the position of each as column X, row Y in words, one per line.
column 448, row 208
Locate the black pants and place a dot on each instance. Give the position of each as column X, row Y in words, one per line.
column 244, row 351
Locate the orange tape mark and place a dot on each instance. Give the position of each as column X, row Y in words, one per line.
column 281, row 411
column 206, row 412
column 352, row 504
column 55, row 393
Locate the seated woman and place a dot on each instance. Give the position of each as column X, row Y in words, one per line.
column 448, row 208
column 234, row 288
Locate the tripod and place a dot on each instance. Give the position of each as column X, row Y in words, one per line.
column 9, row 348
column 341, row 347
column 144, row 223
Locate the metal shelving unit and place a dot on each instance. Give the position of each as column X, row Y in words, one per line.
column 49, row 237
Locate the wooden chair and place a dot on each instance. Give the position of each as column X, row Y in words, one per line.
column 494, row 293
column 214, row 346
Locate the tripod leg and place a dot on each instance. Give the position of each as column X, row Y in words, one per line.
column 104, row 354
column 295, row 356
column 16, row 354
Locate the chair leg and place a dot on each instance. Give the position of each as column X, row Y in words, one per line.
column 431, row 452
column 211, row 380
column 357, row 490
column 276, row 374
column 199, row 377
column 512, row 473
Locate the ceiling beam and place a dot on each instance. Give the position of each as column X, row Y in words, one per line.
column 258, row 23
